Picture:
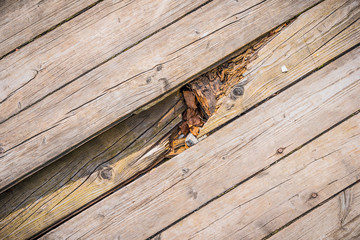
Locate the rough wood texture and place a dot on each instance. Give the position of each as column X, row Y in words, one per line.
column 337, row 219
column 281, row 193
column 103, row 163
column 205, row 91
column 66, row 53
column 153, row 68
column 237, row 151
column 314, row 38
column 76, row 47
column 21, row 21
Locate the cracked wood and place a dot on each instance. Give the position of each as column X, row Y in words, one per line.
column 108, row 161
column 124, row 83
column 237, row 151
column 33, row 73
column 314, row 38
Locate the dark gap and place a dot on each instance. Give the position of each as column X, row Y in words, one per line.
column 310, row 210
column 53, row 27
column 285, row 88
column 107, row 60
column 160, row 160
column 253, row 175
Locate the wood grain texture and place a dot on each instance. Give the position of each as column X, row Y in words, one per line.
column 337, row 219
column 69, row 51
column 313, row 39
column 93, row 169
column 281, row 193
column 224, row 159
column 21, row 21
column 151, row 69
column 76, row 47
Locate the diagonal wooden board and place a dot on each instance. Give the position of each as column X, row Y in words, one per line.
column 21, row 21
column 336, row 219
column 107, row 161
column 313, row 39
column 56, row 66
column 281, row 193
column 20, row 196
column 226, row 158
column 82, row 44
column 154, row 68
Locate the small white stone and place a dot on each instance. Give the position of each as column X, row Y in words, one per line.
column 191, row 140
column 284, row 69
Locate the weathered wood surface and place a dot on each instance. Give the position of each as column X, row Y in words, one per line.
column 70, row 51
column 93, row 169
column 237, row 151
column 336, row 219
column 80, row 109
column 21, row 21
column 50, row 200
column 281, row 193
column 316, row 37
column 80, row 45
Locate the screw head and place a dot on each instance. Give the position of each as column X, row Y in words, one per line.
column 280, row 150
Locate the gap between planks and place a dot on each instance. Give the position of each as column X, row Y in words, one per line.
column 171, row 191
column 91, row 103
column 314, row 39
column 63, row 38
column 280, row 193
column 335, row 219
column 23, row 22
column 90, row 172
column 336, row 50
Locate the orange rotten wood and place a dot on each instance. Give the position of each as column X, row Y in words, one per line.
column 49, row 123
column 237, row 151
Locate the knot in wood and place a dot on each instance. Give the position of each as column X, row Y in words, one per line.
column 159, row 67
column 237, row 91
column 105, row 173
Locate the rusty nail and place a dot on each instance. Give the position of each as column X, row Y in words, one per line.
column 314, row 195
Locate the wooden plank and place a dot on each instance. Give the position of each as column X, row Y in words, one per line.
column 151, row 69
column 281, row 193
column 316, row 37
column 224, row 159
column 336, row 219
column 80, row 45
column 111, row 159
column 71, row 50
column 21, row 21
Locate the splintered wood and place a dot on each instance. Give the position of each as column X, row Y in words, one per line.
column 203, row 94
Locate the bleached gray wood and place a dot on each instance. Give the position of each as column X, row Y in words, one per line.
column 224, row 159
column 336, row 219
column 87, row 41
column 151, row 69
column 314, row 38
column 281, row 193
column 62, row 55
column 21, row 21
